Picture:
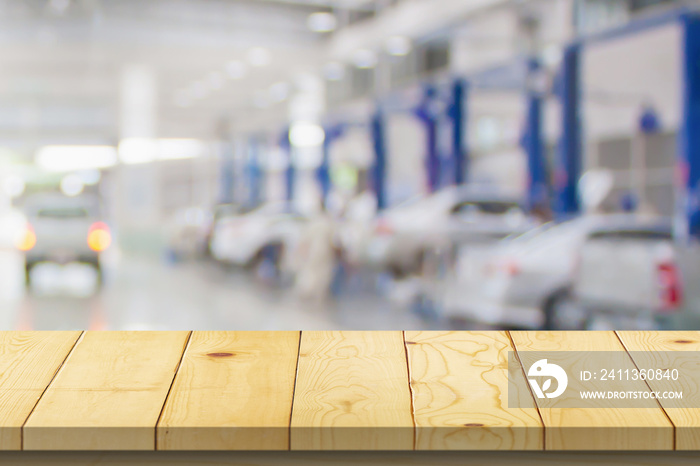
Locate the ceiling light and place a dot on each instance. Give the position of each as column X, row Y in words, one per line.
column 334, row 71
column 236, row 69
column 258, row 56
column 305, row 134
column 138, row 150
column 71, row 158
column 365, row 58
column 398, row 46
column 321, row 22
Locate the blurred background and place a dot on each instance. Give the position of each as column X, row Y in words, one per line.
column 349, row 164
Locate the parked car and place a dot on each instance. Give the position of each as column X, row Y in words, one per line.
column 64, row 229
column 525, row 282
column 244, row 240
column 637, row 278
column 401, row 237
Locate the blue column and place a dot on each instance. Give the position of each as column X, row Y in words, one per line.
column 323, row 174
column 689, row 134
column 538, row 186
column 569, row 152
column 459, row 116
column 427, row 115
column 378, row 173
column 290, row 174
column 253, row 173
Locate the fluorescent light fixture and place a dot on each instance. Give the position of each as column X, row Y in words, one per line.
column 259, row 56
column 138, row 150
column 398, row 46
column 71, row 158
column 365, row 58
column 334, row 71
column 236, row 69
column 305, row 134
column 180, row 148
column 321, row 22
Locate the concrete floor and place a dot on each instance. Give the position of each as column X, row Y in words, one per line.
column 141, row 294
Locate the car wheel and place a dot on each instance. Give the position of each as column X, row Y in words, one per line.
column 561, row 312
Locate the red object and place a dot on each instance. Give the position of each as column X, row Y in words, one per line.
column 670, row 289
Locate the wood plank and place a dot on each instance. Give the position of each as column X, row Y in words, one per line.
column 673, row 350
column 108, row 394
column 459, row 382
column 28, row 362
column 352, row 393
column 233, row 391
column 605, row 428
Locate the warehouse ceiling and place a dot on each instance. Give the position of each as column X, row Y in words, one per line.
column 61, row 62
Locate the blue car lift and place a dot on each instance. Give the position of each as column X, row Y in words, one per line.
column 570, row 147
column 289, row 174
column 378, row 170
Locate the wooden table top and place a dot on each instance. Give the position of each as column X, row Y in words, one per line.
column 314, row 390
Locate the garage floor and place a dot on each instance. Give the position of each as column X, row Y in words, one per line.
column 144, row 294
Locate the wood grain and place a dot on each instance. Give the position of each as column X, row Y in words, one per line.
column 352, row 393
column 607, row 427
column 459, row 382
column 108, row 394
column 233, row 391
column 672, row 350
column 28, row 362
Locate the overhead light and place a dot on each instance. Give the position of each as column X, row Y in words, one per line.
column 365, row 58
column 398, row 46
column 215, row 80
column 334, row 71
column 72, row 185
column 236, row 69
column 71, row 158
column 180, row 148
column 138, row 150
column 321, row 22
column 306, row 134
column 258, row 56
column 279, row 91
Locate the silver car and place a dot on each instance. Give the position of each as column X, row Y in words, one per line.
column 637, row 278
column 64, row 229
column 525, row 282
column 400, row 239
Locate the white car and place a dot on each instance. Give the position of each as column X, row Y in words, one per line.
column 242, row 240
column 64, row 229
column 399, row 239
column 635, row 279
column 524, row 282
